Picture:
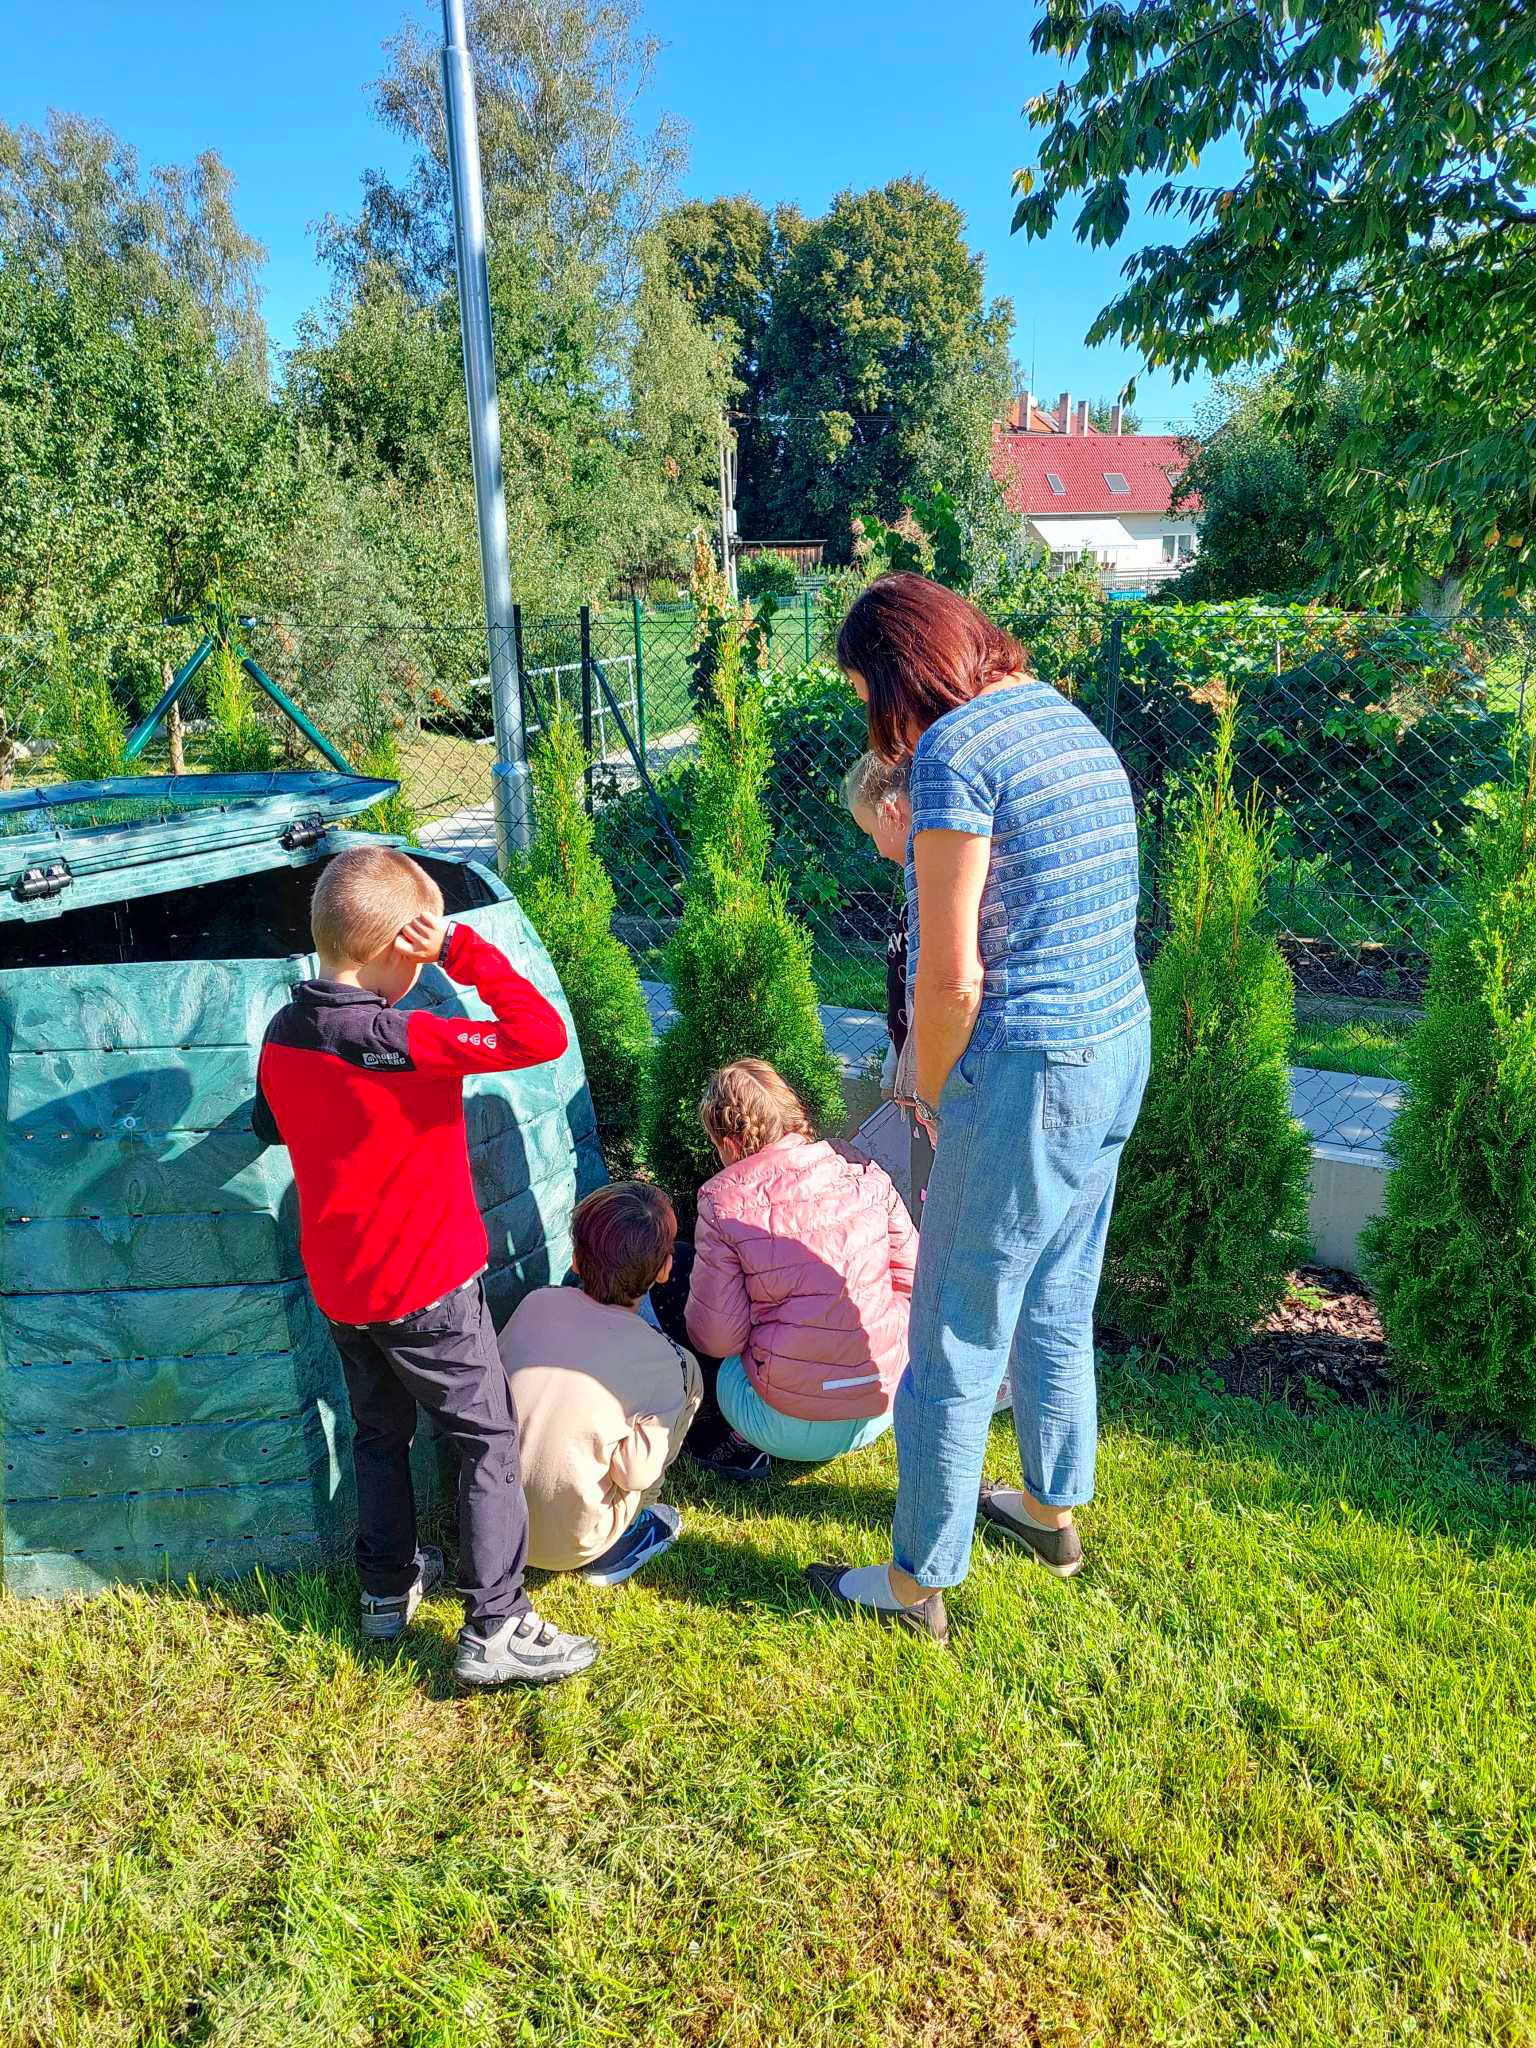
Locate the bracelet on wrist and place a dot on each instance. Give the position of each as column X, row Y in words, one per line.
column 926, row 1112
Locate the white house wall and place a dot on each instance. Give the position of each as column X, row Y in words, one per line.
column 1133, row 541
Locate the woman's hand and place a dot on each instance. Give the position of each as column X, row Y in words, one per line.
column 951, row 874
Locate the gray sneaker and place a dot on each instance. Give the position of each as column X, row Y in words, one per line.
column 522, row 1650
column 1059, row 1550
column 386, row 1616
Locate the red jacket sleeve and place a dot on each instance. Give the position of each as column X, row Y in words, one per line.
column 524, row 1029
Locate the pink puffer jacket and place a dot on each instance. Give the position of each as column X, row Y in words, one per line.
column 803, row 1258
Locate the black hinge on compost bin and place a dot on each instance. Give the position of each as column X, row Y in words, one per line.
column 305, row 832
column 35, row 884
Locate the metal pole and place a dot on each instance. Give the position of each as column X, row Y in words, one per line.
column 727, row 514
column 586, row 700
column 640, row 673
column 509, row 771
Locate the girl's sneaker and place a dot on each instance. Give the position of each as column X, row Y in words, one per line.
column 653, row 1531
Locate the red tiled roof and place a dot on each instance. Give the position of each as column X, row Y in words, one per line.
column 1148, row 462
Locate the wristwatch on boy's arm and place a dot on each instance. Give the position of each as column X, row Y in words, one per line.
column 927, row 1115
column 447, row 946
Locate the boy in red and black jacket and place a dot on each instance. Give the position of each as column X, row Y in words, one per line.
column 369, row 1101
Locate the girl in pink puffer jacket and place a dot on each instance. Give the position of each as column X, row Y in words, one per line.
column 802, row 1274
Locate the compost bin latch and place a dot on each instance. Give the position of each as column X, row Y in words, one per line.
column 305, row 832
column 47, row 878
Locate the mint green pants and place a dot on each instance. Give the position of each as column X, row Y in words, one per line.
column 790, row 1437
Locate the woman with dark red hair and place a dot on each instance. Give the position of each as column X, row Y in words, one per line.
column 1031, row 1037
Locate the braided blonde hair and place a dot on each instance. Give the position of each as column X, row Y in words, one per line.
column 752, row 1105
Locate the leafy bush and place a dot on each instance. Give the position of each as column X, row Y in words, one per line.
column 81, row 711
column 1370, row 736
column 569, row 900
column 1059, row 619
column 1212, row 1215
column 1453, row 1258
column 239, row 741
column 766, row 582
column 928, row 539
column 396, row 815
column 815, row 730
column 739, row 964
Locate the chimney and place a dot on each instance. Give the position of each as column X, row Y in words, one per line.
column 1082, row 417
column 1064, row 412
column 1116, row 415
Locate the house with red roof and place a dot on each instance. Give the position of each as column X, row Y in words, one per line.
column 1082, row 494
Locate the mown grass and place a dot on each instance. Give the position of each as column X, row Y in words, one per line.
column 1371, row 1042
column 1265, row 1772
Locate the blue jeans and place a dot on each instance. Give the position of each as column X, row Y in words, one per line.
column 1008, row 1271
column 791, row 1437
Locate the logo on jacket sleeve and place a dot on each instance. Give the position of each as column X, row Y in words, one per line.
column 485, row 1038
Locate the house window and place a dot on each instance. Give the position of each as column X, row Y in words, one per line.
column 1065, row 558
column 1058, row 488
column 1117, row 483
column 1178, row 547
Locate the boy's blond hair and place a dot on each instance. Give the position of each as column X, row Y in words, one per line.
column 753, row 1105
column 363, row 898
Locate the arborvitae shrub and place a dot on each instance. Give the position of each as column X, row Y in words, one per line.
column 569, row 900
column 739, row 963
column 1212, row 1212
column 1453, row 1258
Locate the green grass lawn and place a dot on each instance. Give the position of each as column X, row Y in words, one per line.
column 1264, row 1773
column 1369, row 1042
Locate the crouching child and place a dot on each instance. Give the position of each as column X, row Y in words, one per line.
column 369, row 1101
column 603, row 1399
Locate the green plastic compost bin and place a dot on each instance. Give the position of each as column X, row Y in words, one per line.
column 171, row 1399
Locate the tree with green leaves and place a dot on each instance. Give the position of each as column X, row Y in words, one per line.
column 564, row 888
column 1212, row 1212
column 727, row 258
column 884, row 370
column 611, row 389
column 739, row 963
column 1258, row 483
column 1101, row 416
column 1453, row 1258
column 1378, row 227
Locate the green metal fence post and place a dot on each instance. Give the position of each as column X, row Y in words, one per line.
column 145, row 731
column 805, row 599
column 639, row 676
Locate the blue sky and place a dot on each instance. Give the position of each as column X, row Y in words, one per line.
column 785, row 102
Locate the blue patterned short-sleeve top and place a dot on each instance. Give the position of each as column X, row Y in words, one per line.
column 1026, row 769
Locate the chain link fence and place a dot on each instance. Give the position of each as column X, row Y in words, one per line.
column 1372, row 739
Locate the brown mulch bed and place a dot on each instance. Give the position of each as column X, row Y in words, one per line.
column 1328, row 1335
column 1373, row 973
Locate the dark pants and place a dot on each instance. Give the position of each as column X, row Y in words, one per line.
column 444, row 1360
column 670, row 1301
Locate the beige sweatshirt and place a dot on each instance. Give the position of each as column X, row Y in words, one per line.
column 603, row 1402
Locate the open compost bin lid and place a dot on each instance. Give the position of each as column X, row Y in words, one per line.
column 68, row 845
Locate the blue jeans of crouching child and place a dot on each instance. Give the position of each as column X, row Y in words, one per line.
column 1008, row 1269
